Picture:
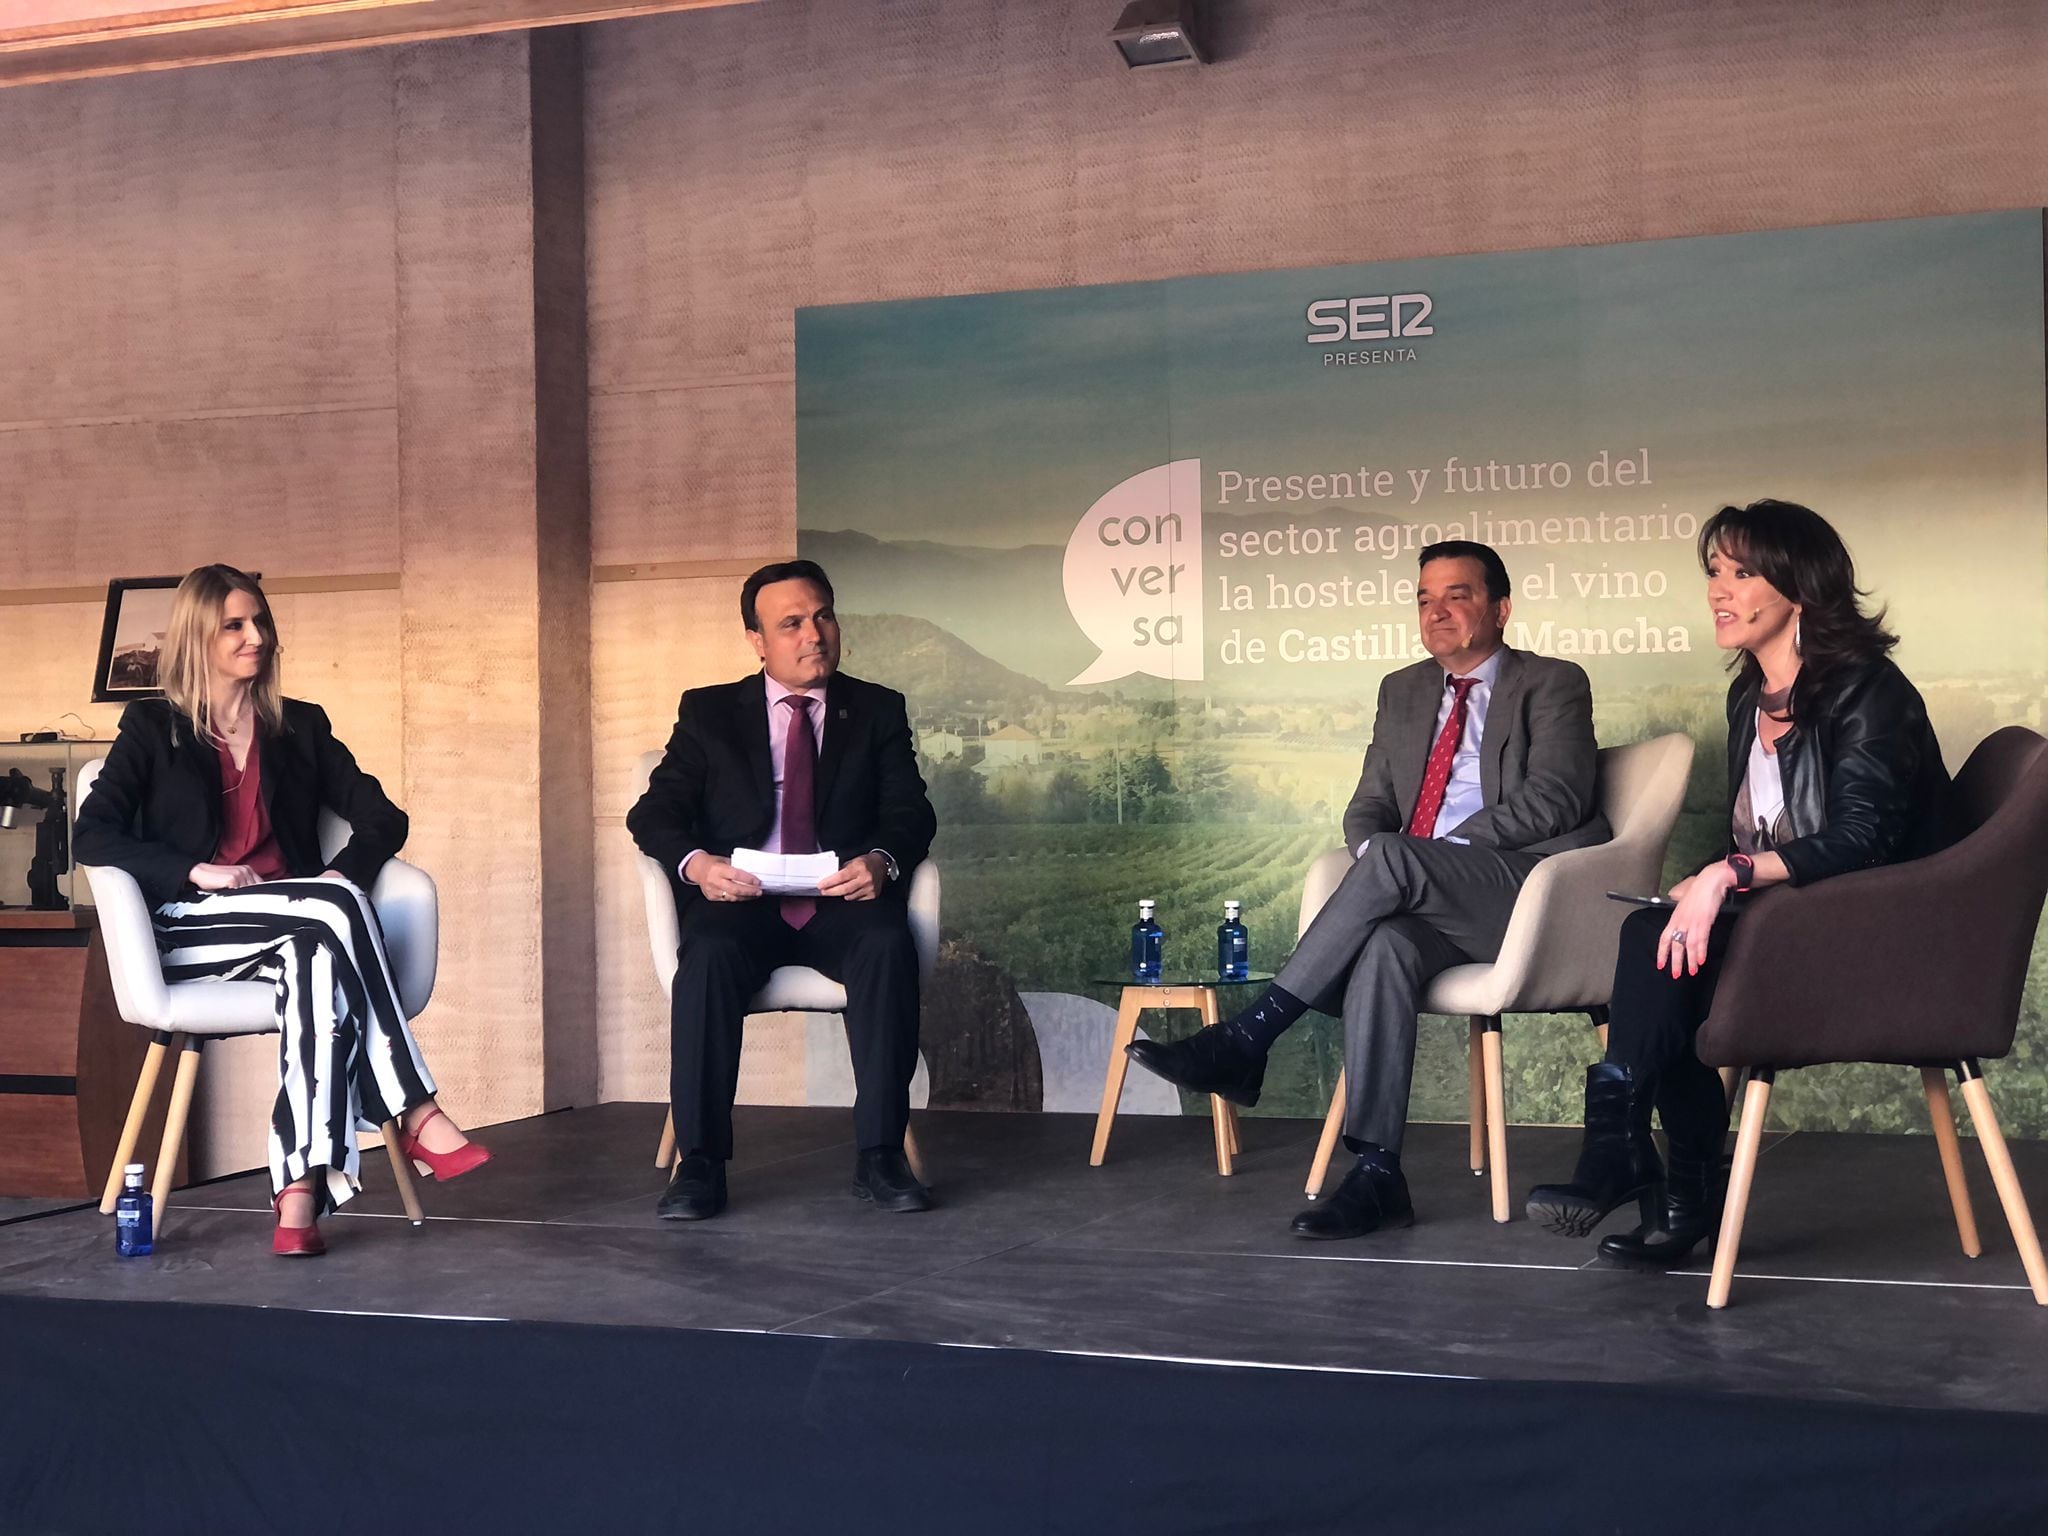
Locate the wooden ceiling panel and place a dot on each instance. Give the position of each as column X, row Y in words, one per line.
column 46, row 40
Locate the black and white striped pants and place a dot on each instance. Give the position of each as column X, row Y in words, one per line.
column 345, row 1056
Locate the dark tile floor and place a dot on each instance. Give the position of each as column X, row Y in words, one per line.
column 1851, row 1284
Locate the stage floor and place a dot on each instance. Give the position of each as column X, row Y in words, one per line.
column 1851, row 1287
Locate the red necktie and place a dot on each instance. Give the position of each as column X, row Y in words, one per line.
column 1436, row 778
column 799, row 811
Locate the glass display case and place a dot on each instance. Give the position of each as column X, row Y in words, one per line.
column 38, row 805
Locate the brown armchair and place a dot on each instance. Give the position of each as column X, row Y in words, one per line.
column 1918, row 965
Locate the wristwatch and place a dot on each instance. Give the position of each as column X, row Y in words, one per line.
column 1745, row 870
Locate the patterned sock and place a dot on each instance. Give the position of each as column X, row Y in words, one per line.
column 1267, row 1019
column 1372, row 1155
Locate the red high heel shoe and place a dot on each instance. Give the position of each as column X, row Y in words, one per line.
column 441, row 1165
column 295, row 1242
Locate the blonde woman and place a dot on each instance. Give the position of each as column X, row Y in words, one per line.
column 211, row 798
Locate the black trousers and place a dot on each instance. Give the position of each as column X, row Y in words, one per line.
column 727, row 951
column 1654, row 1019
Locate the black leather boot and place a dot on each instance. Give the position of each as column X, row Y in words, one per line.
column 1617, row 1159
column 1688, row 1214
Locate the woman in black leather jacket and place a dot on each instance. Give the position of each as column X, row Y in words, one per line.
column 1832, row 766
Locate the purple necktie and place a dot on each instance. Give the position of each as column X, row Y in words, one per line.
column 799, row 813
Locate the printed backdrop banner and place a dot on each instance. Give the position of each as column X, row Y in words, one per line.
column 1139, row 556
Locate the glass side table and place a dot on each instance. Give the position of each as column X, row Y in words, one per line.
column 1170, row 991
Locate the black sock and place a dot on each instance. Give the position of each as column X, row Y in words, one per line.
column 1372, row 1155
column 1267, row 1019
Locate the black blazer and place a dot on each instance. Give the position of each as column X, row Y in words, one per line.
column 714, row 788
column 154, row 810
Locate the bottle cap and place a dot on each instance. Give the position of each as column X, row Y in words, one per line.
column 1232, row 907
column 135, row 1168
column 1145, row 908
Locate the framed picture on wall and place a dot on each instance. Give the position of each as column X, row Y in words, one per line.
column 138, row 613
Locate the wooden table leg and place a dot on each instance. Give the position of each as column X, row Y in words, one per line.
column 1113, row 1083
column 1219, row 1120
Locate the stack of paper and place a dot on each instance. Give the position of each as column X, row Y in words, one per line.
column 786, row 874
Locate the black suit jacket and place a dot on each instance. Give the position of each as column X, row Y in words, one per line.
column 154, row 810
column 714, row 788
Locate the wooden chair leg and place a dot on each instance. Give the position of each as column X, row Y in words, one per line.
column 1756, row 1104
column 131, row 1128
column 1942, row 1114
column 665, row 1154
column 1475, row 1112
column 1113, row 1083
column 913, row 1155
column 401, row 1175
column 1230, row 1121
column 187, row 1049
column 1496, row 1113
column 1326, row 1147
column 1992, row 1140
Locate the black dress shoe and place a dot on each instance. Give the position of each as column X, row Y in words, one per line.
column 883, row 1175
column 1371, row 1197
column 696, row 1192
column 1211, row 1060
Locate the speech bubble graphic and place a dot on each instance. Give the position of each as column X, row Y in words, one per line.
column 1133, row 576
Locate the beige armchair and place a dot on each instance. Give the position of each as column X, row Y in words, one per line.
column 1558, row 955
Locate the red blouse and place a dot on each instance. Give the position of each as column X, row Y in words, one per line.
column 245, row 833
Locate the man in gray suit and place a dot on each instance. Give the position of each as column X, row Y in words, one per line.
column 1481, row 762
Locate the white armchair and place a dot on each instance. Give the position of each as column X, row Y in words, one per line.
column 1558, row 954
column 182, row 1016
column 790, row 988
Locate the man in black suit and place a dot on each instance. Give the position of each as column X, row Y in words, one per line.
column 798, row 758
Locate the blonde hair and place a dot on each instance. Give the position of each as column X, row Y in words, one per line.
column 184, row 667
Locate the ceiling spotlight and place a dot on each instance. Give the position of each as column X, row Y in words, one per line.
column 1155, row 32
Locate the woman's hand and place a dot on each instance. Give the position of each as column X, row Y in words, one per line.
column 223, row 877
column 1683, row 944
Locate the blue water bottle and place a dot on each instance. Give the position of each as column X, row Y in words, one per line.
column 1233, row 946
column 133, row 1215
column 1148, row 946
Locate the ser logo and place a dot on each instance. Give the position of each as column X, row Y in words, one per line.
column 1373, row 317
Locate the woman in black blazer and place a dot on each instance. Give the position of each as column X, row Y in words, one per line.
column 211, row 799
column 1832, row 767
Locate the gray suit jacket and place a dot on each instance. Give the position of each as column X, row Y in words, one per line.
column 1536, row 758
